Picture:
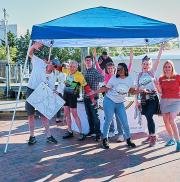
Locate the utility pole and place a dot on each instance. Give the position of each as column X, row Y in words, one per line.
column 8, row 71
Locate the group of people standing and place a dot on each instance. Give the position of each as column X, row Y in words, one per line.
column 117, row 85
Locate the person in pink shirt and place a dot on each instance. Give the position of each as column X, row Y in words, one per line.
column 169, row 88
column 110, row 67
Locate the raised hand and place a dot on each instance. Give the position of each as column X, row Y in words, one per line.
column 94, row 53
column 37, row 45
column 100, row 60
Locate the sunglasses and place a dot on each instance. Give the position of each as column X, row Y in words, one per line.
column 120, row 68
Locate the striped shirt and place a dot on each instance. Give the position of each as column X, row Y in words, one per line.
column 93, row 78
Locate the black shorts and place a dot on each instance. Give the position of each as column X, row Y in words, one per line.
column 29, row 108
column 70, row 100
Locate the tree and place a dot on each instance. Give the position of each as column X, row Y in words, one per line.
column 13, row 54
column 22, row 44
column 2, row 53
column 12, row 48
column 11, row 39
column 65, row 54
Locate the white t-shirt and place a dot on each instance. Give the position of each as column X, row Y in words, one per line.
column 61, row 80
column 146, row 81
column 39, row 75
column 119, row 88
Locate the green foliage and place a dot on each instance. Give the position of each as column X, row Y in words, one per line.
column 13, row 54
column 12, row 48
column 2, row 53
column 65, row 54
column 11, row 39
column 22, row 44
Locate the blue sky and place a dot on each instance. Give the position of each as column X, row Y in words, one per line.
column 27, row 13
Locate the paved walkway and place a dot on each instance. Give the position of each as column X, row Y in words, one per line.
column 71, row 160
column 7, row 109
column 9, row 105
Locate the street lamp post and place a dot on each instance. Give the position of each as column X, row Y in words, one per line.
column 8, row 70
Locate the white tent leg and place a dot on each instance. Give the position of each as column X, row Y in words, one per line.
column 178, row 42
column 50, row 50
column 17, row 100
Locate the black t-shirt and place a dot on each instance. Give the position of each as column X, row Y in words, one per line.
column 105, row 61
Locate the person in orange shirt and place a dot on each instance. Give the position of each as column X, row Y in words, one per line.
column 169, row 88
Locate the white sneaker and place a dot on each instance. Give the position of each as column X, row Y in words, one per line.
column 111, row 134
column 120, row 138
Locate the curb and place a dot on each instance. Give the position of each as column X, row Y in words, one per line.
column 9, row 114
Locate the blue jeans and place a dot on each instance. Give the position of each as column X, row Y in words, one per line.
column 119, row 125
column 110, row 108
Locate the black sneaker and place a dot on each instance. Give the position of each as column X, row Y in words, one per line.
column 32, row 140
column 130, row 144
column 68, row 134
column 98, row 138
column 59, row 121
column 105, row 143
column 81, row 137
column 89, row 134
column 51, row 139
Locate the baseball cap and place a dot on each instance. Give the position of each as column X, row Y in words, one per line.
column 56, row 62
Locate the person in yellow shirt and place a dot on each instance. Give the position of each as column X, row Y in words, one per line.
column 74, row 80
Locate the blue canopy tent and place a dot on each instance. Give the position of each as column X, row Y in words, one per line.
column 96, row 27
column 102, row 26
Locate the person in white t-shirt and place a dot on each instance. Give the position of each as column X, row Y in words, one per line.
column 116, row 89
column 42, row 71
column 147, row 101
column 60, row 89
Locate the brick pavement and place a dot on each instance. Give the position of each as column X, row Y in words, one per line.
column 71, row 160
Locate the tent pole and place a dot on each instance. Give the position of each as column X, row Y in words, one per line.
column 50, row 50
column 17, row 99
column 84, row 53
column 178, row 42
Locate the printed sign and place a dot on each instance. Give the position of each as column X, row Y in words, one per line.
column 45, row 101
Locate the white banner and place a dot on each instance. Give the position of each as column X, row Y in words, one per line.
column 45, row 101
column 135, row 126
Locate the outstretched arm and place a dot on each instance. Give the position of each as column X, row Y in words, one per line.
column 131, row 60
column 100, row 90
column 35, row 46
column 156, row 63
